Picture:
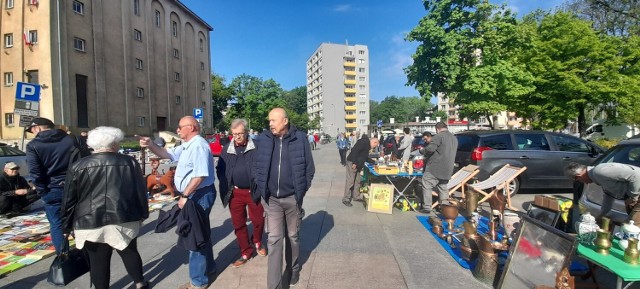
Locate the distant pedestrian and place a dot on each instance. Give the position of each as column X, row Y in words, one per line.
column 194, row 180
column 284, row 171
column 405, row 145
column 48, row 157
column 316, row 139
column 343, row 146
column 441, row 154
column 236, row 175
column 312, row 141
column 355, row 163
column 100, row 225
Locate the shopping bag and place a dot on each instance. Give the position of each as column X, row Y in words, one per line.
column 67, row 266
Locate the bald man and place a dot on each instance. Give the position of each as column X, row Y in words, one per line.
column 284, row 171
column 194, row 181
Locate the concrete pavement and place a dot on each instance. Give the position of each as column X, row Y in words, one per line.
column 342, row 247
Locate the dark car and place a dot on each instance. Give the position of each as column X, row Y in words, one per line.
column 389, row 145
column 625, row 152
column 545, row 154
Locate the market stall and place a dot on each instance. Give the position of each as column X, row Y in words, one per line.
column 403, row 179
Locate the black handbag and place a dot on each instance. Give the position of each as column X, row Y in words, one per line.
column 67, row 266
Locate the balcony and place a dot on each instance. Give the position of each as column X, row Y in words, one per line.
column 350, row 81
column 350, row 107
column 350, row 99
column 351, row 125
column 349, row 90
column 349, row 64
column 350, row 72
column 350, row 116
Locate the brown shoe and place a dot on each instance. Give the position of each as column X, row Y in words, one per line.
column 261, row 250
column 238, row 263
column 188, row 285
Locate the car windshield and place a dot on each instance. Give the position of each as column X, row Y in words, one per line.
column 625, row 154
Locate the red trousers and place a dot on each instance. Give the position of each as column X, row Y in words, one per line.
column 240, row 202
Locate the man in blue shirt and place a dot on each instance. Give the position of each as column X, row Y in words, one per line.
column 194, row 180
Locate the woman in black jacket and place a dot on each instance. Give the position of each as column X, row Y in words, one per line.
column 105, row 203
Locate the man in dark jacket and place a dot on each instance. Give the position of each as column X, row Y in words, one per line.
column 441, row 154
column 48, row 157
column 355, row 162
column 15, row 192
column 284, row 171
column 236, row 173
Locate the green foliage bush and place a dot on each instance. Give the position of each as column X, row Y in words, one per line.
column 130, row 144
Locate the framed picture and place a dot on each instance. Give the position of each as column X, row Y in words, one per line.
column 380, row 198
column 536, row 257
column 544, row 215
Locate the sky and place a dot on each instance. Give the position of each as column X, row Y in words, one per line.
column 274, row 39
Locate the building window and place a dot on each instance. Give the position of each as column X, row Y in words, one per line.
column 362, row 112
column 78, row 44
column 9, row 4
column 363, row 95
column 8, row 40
column 8, row 78
column 141, row 120
column 174, row 28
column 361, row 52
column 78, row 7
column 178, row 99
column 137, row 35
column 176, row 53
column 201, row 45
column 139, row 63
column 136, row 7
column 140, row 92
column 362, row 121
column 8, row 119
column 176, row 76
column 204, row 104
column 157, row 18
column 361, row 87
column 203, row 86
column 360, row 60
column 360, row 69
column 33, row 76
column 201, row 65
column 361, row 78
column 33, row 36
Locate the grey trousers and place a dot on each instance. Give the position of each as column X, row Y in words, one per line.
column 352, row 185
column 430, row 184
column 282, row 213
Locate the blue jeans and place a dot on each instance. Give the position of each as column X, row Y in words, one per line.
column 201, row 262
column 52, row 207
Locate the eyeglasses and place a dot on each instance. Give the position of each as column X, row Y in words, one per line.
column 238, row 134
column 181, row 126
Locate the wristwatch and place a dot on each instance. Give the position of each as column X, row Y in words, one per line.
column 183, row 196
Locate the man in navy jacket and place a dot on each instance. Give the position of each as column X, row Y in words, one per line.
column 284, row 171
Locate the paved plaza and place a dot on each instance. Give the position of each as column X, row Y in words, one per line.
column 341, row 247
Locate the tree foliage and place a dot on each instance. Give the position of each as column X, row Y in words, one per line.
column 613, row 17
column 220, row 97
column 402, row 109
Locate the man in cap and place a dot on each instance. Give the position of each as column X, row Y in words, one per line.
column 48, row 156
column 15, row 193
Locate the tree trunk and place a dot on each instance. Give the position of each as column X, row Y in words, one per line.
column 581, row 121
column 489, row 117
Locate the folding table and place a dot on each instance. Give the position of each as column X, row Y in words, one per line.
column 612, row 262
column 399, row 193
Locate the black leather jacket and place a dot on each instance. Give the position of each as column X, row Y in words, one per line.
column 104, row 189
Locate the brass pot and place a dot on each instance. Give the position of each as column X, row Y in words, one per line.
column 471, row 202
column 450, row 213
column 631, row 253
column 438, row 230
column 487, row 265
column 469, row 242
column 602, row 242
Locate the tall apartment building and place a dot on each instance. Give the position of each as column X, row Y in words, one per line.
column 138, row 65
column 338, row 87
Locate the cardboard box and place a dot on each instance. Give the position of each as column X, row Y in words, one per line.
column 387, row 170
column 550, row 202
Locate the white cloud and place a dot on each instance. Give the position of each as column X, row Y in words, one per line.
column 400, row 55
column 342, row 8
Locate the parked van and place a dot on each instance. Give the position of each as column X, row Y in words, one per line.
column 600, row 130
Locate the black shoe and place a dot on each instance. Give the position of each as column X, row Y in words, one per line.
column 347, row 203
column 295, row 277
column 425, row 211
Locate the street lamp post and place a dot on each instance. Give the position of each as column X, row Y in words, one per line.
column 333, row 116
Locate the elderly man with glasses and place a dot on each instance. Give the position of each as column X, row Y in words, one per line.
column 236, row 173
column 15, row 192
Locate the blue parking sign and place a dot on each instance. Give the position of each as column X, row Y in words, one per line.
column 27, row 91
column 198, row 113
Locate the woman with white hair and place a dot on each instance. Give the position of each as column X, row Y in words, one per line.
column 105, row 203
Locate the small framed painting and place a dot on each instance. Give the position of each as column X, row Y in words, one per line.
column 544, row 215
column 380, row 198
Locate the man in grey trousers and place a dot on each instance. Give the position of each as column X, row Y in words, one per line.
column 441, row 155
column 284, row 171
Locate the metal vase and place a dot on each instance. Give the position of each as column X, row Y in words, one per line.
column 631, row 253
column 487, row 264
column 469, row 243
column 471, row 202
column 603, row 244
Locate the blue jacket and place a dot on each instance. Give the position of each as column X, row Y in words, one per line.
column 48, row 159
column 302, row 168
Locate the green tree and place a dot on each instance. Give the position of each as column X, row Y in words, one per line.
column 469, row 51
column 220, row 97
column 441, row 114
column 253, row 98
column 613, row 17
column 402, row 109
column 296, row 100
column 575, row 69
